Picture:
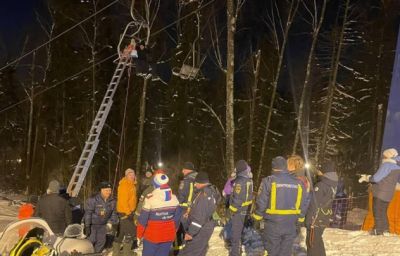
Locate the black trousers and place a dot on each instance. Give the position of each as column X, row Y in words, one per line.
column 380, row 215
column 315, row 243
column 126, row 228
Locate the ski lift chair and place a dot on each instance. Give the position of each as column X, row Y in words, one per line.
column 187, row 71
column 131, row 31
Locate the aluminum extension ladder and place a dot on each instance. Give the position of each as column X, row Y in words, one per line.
column 92, row 141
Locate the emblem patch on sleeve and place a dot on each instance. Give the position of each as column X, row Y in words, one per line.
column 238, row 188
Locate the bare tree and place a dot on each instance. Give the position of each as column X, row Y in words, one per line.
column 320, row 154
column 253, row 103
column 278, row 29
column 316, row 22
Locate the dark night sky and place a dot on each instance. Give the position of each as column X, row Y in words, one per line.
column 18, row 19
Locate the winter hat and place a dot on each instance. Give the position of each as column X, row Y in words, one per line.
column 241, row 166
column 105, row 184
column 202, row 178
column 188, row 166
column 54, row 187
column 160, row 180
column 279, row 163
column 390, row 153
column 148, row 173
column 327, row 166
column 129, row 170
column 159, row 171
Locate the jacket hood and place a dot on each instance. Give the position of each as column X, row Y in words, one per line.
column 329, row 181
column 193, row 175
column 164, row 194
column 389, row 160
column 126, row 181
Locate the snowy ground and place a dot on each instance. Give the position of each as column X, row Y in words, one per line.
column 337, row 242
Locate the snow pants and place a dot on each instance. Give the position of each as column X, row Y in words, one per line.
column 236, row 233
column 156, row 249
column 315, row 243
column 98, row 234
column 279, row 237
column 198, row 246
column 380, row 208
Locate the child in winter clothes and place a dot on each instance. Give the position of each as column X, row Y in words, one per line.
column 158, row 218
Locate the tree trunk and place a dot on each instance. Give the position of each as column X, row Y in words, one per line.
column 42, row 178
column 253, row 104
column 230, row 70
column 142, row 117
column 30, row 125
column 302, row 134
column 293, row 9
column 378, row 137
column 331, row 89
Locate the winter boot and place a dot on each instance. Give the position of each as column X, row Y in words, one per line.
column 126, row 249
column 116, row 249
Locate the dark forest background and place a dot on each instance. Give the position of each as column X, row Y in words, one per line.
column 311, row 77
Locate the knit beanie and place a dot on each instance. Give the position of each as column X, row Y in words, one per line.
column 160, row 180
column 202, row 178
column 129, row 170
column 188, row 166
column 279, row 163
column 327, row 166
column 390, row 153
column 241, row 166
column 54, row 187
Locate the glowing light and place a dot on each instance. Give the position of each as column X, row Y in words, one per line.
column 160, row 164
column 307, row 165
column 19, row 160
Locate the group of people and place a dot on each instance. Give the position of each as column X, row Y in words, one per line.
column 163, row 221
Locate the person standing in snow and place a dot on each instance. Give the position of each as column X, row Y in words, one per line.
column 126, row 206
column 54, row 209
column 185, row 197
column 281, row 203
column 383, row 187
column 296, row 166
column 239, row 204
column 147, row 189
column 228, row 188
column 200, row 217
column 320, row 210
column 100, row 212
column 158, row 218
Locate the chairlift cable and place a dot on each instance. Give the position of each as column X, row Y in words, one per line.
column 59, row 35
column 98, row 63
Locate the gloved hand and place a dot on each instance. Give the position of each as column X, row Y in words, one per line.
column 364, row 178
column 109, row 226
column 86, row 230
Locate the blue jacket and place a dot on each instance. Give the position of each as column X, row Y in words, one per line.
column 100, row 212
column 242, row 195
column 281, row 198
column 384, row 170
